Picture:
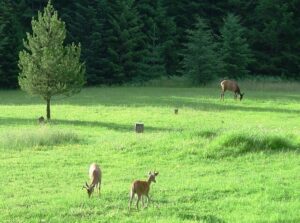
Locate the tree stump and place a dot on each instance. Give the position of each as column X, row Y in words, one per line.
column 176, row 111
column 41, row 120
column 139, row 127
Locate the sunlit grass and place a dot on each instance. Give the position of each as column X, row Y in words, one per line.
column 218, row 161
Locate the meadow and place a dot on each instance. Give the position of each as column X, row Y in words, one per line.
column 231, row 161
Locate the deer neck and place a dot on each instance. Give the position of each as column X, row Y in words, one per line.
column 149, row 182
column 92, row 185
column 95, row 180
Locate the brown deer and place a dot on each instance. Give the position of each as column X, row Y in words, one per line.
column 228, row 85
column 141, row 188
column 95, row 177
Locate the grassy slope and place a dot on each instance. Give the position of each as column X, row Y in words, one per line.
column 43, row 184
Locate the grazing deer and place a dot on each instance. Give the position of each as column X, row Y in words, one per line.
column 95, row 177
column 141, row 188
column 228, row 85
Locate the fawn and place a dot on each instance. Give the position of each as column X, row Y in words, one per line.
column 141, row 188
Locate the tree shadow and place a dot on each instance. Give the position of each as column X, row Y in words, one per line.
column 222, row 106
column 161, row 97
column 109, row 125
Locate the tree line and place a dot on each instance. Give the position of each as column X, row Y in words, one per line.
column 137, row 40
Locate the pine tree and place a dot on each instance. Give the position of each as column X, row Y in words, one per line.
column 169, row 39
column 161, row 38
column 200, row 59
column 124, row 42
column 84, row 25
column 275, row 38
column 48, row 68
column 153, row 63
column 235, row 50
column 8, row 45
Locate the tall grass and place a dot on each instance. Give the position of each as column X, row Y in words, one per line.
column 36, row 137
column 236, row 144
column 269, row 84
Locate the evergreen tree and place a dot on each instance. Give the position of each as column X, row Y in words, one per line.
column 153, row 63
column 167, row 32
column 84, row 25
column 8, row 45
column 48, row 68
column 235, row 50
column 161, row 38
column 185, row 13
column 156, row 34
column 124, row 42
column 200, row 59
column 274, row 38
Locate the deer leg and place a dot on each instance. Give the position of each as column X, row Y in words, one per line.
column 222, row 95
column 137, row 202
column 235, row 96
column 148, row 200
column 130, row 200
column 143, row 201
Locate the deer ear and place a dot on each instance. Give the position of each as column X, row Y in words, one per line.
column 86, row 184
column 155, row 173
column 150, row 173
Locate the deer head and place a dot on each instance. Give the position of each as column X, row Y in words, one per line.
column 241, row 96
column 89, row 188
column 152, row 176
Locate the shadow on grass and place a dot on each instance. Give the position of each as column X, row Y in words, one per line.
column 108, row 125
column 208, row 104
column 217, row 105
column 208, row 99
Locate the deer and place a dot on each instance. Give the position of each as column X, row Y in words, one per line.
column 95, row 177
column 229, row 85
column 142, row 188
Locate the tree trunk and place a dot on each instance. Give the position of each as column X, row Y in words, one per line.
column 48, row 109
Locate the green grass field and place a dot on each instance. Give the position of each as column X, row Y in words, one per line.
column 218, row 161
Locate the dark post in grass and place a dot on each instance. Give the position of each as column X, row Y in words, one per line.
column 176, row 111
column 139, row 127
column 41, row 120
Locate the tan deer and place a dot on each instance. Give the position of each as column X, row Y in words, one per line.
column 95, row 177
column 228, row 85
column 141, row 188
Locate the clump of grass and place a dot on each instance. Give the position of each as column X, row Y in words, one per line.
column 235, row 144
column 38, row 137
column 208, row 134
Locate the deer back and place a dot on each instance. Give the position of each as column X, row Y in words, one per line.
column 140, row 187
column 228, row 85
column 95, row 174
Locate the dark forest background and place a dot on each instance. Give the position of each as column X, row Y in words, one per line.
column 126, row 41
